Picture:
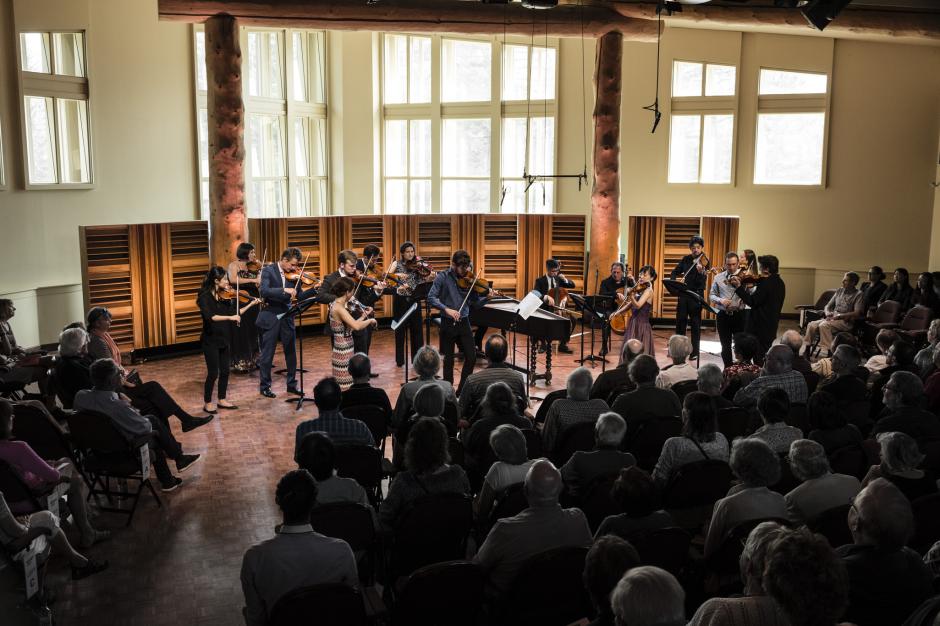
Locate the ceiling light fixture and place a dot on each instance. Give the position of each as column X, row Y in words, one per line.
column 820, row 12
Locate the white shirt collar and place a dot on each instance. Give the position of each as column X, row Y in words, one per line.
column 295, row 530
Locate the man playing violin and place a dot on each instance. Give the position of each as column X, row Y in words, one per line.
column 454, row 301
column 368, row 291
column 766, row 300
column 722, row 297
column 551, row 286
column 278, row 293
column 619, row 279
column 408, row 271
column 692, row 270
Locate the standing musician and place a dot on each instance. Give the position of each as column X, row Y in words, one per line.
column 455, row 303
column 691, row 270
column 278, row 293
column 549, row 286
column 639, row 298
column 766, row 300
column 245, row 273
column 355, row 269
column 619, row 278
column 219, row 306
column 409, row 271
column 730, row 318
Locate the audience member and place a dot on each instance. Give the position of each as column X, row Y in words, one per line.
column 678, row 349
column 844, row 383
column 831, row 431
column 710, row 380
column 103, row 397
column 362, row 392
column 932, row 386
column 497, row 370
column 924, row 359
column 317, row 455
column 428, row 403
column 648, row 596
column 498, row 407
column 903, row 397
column 757, row 467
column 823, row 365
column 793, row 340
column 744, row 369
column 773, row 407
column 605, row 564
column 426, row 363
column 873, row 289
column 617, row 378
column 845, row 306
column 886, row 580
column 898, row 358
column 647, row 401
column 606, row 459
column 14, row 369
column 820, row 489
column 577, row 408
column 327, row 396
column 73, row 367
column 296, row 556
column 900, row 290
column 542, row 526
column 777, row 372
column 900, row 464
column 883, row 340
column 510, row 468
column 698, row 442
column 636, row 494
column 924, row 294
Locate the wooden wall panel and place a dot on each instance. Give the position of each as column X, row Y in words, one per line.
column 567, row 245
column 497, row 252
column 189, row 254
column 434, row 236
column 307, row 234
column 106, row 277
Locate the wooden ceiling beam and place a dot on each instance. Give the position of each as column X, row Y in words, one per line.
column 451, row 16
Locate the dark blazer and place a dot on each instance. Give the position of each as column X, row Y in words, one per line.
column 73, row 373
column 276, row 301
column 766, row 303
column 693, row 279
column 541, row 286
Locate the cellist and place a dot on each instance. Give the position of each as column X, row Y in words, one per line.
column 552, row 286
column 614, row 286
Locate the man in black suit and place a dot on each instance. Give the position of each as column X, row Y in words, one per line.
column 765, row 301
column 692, row 270
column 548, row 286
column 349, row 263
column 278, row 293
column 619, row 279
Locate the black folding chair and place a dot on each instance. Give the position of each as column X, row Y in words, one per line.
column 332, row 604
column 432, row 529
column 548, row 590
column 364, row 464
column 799, row 417
column 850, row 460
column 667, row 548
column 734, row 422
column 833, row 524
column 353, row 523
column 547, row 403
column 926, row 522
column 533, row 443
column 684, row 388
column 650, row 437
column 510, row 502
column 572, row 439
column 372, row 416
column 597, row 503
column 442, row 594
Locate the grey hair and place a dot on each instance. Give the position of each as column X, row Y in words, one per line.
column 71, row 341
column 934, row 328
column 885, row 513
column 579, row 384
column 792, row 340
column 754, row 462
column 508, row 444
column 899, row 452
column 848, row 355
column 610, row 429
column 648, row 595
column 679, row 348
column 429, row 400
column 808, row 459
column 754, row 555
column 710, row 379
column 427, row 362
column 909, row 387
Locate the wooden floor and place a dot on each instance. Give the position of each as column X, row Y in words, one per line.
column 180, row 564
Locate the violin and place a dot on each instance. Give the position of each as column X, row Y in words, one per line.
column 229, row 294
column 418, row 266
column 366, row 279
column 356, row 308
column 478, row 285
column 307, row 279
column 621, row 317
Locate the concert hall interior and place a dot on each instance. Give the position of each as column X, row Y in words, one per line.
column 556, row 312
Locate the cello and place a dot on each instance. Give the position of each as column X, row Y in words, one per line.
column 620, row 318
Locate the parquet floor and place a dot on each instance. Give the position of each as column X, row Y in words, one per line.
column 180, row 564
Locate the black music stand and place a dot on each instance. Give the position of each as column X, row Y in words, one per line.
column 396, row 324
column 681, row 290
column 298, row 309
column 589, row 306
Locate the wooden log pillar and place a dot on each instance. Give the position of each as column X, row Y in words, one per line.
column 228, row 219
column 605, row 193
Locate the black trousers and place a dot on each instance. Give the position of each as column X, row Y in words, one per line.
column 412, row 327
column 728, row 325
column 689, row 312
column 451, row 334
column 362, row 339
column 162, row 445
column 150, row 398
column 217, row 367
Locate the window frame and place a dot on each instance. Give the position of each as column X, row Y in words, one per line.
column 3, row 176
column 57, row 87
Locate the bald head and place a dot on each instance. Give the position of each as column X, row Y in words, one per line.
column 779, row 359
column 542, row 484
column 882, row 516
column 792, row 340
column 634, row 348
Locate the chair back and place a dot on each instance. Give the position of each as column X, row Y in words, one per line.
column 931, row 450
column 667, row 548
column 917, row 318
column 54, row 388
column 851, row 460
column 597, row 503
column 812, row 381
column 857, row 412
column 542, row 411
column 33, row 427
column 510, row 502
column 91, row 430
column 788, row 482
column 456, row 452
column 725, row 560
column 533, row 443
column 733, row 422
column 648, row 441
column 333, row 604
column 374, row 417
column 576, row 437
column 887, row 312
column 798, row 416
column 618, row 391
column 697, row 484
column 824, row 298
column 926, row 522
column 549, row 590
column 833, row 524
column 442, row 594
column 349, row 521
column 451, row 417
column 432, row 529
column 684, row 388
column 362, row 463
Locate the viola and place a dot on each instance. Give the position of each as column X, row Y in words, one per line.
column 307, row 279
column 478, row 285
column 229, row 294
column 356, row 308
column 418, row 266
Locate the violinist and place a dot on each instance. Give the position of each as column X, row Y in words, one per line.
column 218, row 314
column 278, row 293
column 766, row 300
column 639, row 298
column 369, row 289
column 553, row 286
column 693, row 271
column 245, row 273
column 722, row 297
column 454, row 292
column 614, row 286
column 408, row 271
column 342, row 328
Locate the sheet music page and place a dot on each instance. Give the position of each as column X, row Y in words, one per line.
column 529, row 304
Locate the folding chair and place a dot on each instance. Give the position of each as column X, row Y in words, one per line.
column 432, row 529
column 363, row 464
column 333, row 604
column 442, row 594
column 667, row 548
column 833, row 524
column 574, row 438
column 684, row 388
column 648, row 441
column 372, row 416
column 548, row 590
column 353, row 523
column 812, row 312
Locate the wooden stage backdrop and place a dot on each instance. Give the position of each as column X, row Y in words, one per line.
column 148, row 275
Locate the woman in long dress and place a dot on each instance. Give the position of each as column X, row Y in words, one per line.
column 641, row 302
column 342, row 325
column 245, row 336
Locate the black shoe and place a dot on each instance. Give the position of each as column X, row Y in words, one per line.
column 373, row 375
column 196, row 422
column 89, row 568
column 295, row 391
column 172, row 485
column 185, row 462
column 267, row 393
column 564, row 349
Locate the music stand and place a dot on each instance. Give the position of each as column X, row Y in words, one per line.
column 681, row 290
column 298, row 308
column 399, row 322
column 589, row 306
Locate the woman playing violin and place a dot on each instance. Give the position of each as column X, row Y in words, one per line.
column 640, row 299
column 367, row 287
column 245, row 271
column 404, row 276
column 342, row 326
column 218, row 313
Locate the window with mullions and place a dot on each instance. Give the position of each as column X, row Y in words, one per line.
column 55, row 109
column 286, row 151
column 464, row 120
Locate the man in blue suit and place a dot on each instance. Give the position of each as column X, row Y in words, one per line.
column 278, row 292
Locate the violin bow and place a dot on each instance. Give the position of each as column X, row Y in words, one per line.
column 237, row 311
column 301, row 275
column 365, row 269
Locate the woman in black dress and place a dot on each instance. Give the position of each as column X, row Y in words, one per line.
column 245, row 271
column 218, row 314
column 410, row 271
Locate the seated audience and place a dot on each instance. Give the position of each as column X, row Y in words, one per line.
column 873, row 289
column 924, row 359
column 606, row 459
column 542, row 526
column 820, row 489
column 327, row 396
column 497, row 370
column 845, row 306
column 924, row 294
column 511, row 466
column 14, row 366
column 883, row 340
column 757, row 467
column 899, row 358
column 617, row 378
column 73, row 367
column 678, row 349
column 635, row 492
column 428, row 471
column 577, row 408
column 317, row 455
column 648, row 596
column 428, row 403
column 710, row 380
column 755, row 606
column 647, row 401
column 744, row 369
column 823, row 365
column 887, row 580
column 773, row 407
column 498, row 407
column 296, row 556
column 777, row 372
column 900, row 290
column 362, row 392
column 698, row 441
column 900, row 464
column 844, row 383
column 903, row 397
column 932, row 386
column 605, row 564
column 831, row 431
column 103, row 397
column 806, row 579
column 426, row 363
column 793, row 340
